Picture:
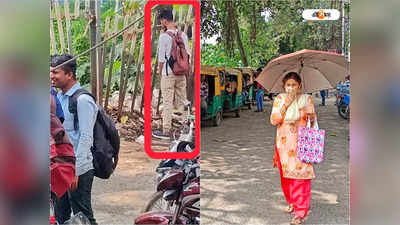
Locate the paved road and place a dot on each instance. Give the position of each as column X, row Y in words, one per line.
column 239, row 185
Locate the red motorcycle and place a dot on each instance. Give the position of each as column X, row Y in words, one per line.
column 181, row 188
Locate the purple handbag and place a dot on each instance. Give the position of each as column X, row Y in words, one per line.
column 310, row 144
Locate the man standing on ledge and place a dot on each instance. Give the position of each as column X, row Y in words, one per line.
column 171, row 84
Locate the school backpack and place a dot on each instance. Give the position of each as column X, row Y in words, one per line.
column 179, row 58
column 106, row 140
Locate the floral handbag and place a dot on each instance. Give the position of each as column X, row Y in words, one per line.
column 310, row 144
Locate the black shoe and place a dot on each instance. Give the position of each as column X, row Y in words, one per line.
column 256, row 110
column 161, row 135
column 321, row 104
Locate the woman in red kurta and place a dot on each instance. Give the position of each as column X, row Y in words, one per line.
column 291, row 110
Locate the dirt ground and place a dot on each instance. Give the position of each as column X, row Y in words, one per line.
column 120, row 199
column 240, row 186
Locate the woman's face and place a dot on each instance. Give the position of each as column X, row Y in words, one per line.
column 292, row 84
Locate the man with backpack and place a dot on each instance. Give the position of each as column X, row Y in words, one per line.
column 173, row 57
column 81, row 136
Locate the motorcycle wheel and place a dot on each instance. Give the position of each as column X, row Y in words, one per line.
column 158, row 203
column 344, row 111
column 217, row 120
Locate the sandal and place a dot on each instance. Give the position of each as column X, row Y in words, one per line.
column 296, row 221
column 289, row 208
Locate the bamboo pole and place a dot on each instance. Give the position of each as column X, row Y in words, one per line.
column 77, row 9
column 52, row 38
column 60, row 26
column 180, row 17
column 112, row 55
column 104, row 50
column 138, row 72
column 87, row 5
column 131, row 56
column 121, row 79
column 188, row 20
column 191, row 79
column 130, row 60
column 68, row 26
column 154, row 74
column 153, row 80
column 99, row 57
column 128, row 64
column 93, row 64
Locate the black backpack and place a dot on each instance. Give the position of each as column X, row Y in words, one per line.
column 106, row 141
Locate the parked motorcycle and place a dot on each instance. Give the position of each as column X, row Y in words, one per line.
column 344, row 107
column 183, row 142
column 341, row 91
column 182, row 189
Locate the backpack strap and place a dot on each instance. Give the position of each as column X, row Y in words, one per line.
column 166, row 64
column 166, row 58
column 73, row 104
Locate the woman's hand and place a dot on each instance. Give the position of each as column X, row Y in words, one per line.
column 311, row 117
column 74, row 184
column 290, row 97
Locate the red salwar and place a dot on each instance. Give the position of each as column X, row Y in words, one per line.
column 297, row 191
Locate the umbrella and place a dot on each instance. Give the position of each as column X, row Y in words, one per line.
column 319, row 70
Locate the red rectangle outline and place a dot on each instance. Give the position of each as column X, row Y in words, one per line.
column 147, row 83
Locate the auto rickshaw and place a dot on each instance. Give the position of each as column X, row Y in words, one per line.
column 215, row 78
column 248, row 80
column 232, row 93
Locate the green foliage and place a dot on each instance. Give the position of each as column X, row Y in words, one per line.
column 284, row 32
column 81, row 41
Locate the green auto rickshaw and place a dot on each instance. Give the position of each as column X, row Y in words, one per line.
column 214, row 77
column 232, row 93
column 247, row 81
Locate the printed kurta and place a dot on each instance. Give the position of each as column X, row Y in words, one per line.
column 286, row 139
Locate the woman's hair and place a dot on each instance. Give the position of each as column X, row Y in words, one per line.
column 292, row 75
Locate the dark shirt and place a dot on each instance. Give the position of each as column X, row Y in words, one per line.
column 59, row 111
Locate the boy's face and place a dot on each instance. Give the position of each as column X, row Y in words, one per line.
column 59, row 78
column 163, row 23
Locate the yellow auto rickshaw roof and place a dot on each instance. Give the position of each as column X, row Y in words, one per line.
column 232, row 71
column 209, row 70
column 246, row 70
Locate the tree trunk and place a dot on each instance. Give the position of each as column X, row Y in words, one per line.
column 239, row 42
column 254, row 24
column 229, row 32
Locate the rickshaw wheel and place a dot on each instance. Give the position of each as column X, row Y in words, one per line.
column 217, row 119
column 237, row 112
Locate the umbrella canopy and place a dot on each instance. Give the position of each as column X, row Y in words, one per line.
column 318, row 70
